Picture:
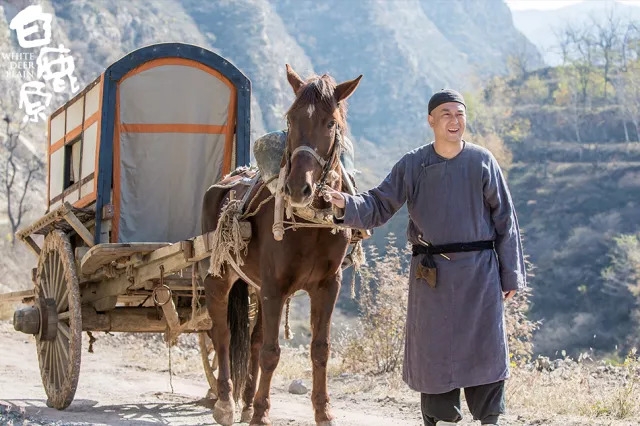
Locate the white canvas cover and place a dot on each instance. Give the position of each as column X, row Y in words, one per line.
column 171, row 146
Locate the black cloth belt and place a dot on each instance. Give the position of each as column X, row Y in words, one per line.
column 449, row 248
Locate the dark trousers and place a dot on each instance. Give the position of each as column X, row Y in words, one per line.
column 486, row 403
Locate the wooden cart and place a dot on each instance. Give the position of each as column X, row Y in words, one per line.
column 129, row 159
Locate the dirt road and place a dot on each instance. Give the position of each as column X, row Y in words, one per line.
column 126, row 382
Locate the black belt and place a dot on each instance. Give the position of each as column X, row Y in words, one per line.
column 449, row 248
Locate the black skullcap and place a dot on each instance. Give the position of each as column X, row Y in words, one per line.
column 444, row 96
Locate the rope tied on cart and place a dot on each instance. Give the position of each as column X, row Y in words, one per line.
column 227, row 241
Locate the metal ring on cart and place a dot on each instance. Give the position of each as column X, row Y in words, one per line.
column 161, row 286
column 155, row 295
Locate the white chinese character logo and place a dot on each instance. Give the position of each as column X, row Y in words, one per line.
column 33, row 29
column 24, row 23
column 65, row 67
column 34, row 109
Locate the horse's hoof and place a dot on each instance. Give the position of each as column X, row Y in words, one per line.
column 247, row 415
column 260, row 422
column 223, row 413
column 211, row 395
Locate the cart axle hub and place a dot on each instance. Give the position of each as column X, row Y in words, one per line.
column 27, row 320
column 42, row 320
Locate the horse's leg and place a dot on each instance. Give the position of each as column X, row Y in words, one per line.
column 250, row 387
column 272, row 303
column 323, row 300
column 217, row 293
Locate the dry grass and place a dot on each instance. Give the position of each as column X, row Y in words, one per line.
column 586, row 389
column 593, row 391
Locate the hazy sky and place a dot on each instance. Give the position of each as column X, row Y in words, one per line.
column 554, row 4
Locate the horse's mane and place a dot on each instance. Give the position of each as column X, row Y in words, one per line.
column 318, row 91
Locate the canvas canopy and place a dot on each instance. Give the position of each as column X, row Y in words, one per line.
column 176, row 127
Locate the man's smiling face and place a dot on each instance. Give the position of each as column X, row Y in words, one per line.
column 448, row 121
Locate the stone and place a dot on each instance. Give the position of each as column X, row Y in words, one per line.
column 297, row 387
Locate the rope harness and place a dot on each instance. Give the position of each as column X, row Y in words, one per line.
column 228, row 244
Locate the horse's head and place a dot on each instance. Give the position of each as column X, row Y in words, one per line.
column 316, row 121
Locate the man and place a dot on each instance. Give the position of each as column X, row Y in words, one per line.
column 467, row 255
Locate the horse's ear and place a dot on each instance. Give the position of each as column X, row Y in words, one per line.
column 294, row 79
column 344, row 90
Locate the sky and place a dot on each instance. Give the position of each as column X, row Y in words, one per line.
column 553, row 4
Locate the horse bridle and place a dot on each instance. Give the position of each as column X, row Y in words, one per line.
column 324, row 163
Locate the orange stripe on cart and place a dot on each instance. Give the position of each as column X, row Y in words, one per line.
column 96, row 175
column 171, row 128
column 115, row 224
column 231, row 130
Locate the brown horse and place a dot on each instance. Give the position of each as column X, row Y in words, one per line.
column 308, row 259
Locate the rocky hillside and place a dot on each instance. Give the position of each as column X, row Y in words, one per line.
column 573, row 204
column 405, row 50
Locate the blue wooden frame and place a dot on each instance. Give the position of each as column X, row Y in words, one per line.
column 119, row 69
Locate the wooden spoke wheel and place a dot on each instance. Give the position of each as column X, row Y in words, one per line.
column 59, row 339
column 209, row 362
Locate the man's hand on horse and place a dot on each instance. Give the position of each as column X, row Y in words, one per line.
column 334, row 197
column 509, row 294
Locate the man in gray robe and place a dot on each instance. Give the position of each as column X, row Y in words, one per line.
column 467, row 261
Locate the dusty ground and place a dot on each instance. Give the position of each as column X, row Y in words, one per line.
column 126, row 381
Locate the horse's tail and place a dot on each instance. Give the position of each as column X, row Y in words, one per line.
column 239, row 349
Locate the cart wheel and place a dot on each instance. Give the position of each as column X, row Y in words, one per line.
column 209, row 362
column 60, row 337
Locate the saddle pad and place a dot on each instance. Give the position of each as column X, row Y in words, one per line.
column 268, row 150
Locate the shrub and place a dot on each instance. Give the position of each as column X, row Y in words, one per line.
column 377, row 343
column 520, row 328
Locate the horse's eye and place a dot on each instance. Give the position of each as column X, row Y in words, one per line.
column 331, row 124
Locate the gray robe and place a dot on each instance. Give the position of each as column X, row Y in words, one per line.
column 455, row 332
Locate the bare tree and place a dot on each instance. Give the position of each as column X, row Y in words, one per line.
column 609, row 35
column 630, row 40
column 632, row 43
column 568, row 96
column 627, row 87
column 578, row 51
column 18, row 174
column 564, row 44
column 625, row 79
column 519, row 62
